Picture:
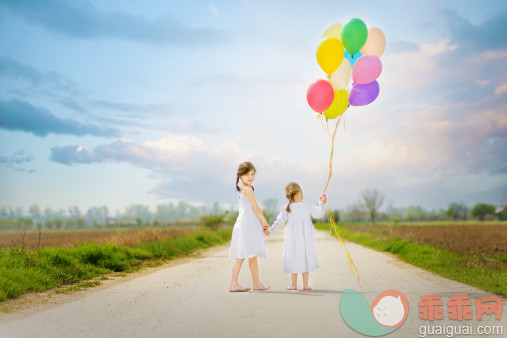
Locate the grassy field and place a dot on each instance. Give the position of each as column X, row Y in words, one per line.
column 471, row 254
column 29, row 270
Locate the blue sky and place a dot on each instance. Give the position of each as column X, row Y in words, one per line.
column 116, row 102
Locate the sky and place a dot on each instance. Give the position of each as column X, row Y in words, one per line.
column 121, row 102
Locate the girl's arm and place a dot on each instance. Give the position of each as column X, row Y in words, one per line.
column 249, row 193
column 317, row 211
column 280, row 221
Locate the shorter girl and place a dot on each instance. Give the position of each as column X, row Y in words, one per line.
column 299, row 254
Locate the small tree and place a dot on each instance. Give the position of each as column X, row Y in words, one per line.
column 373, row 200
column 457, row 211
column 502, row 215
column 57, row 223
column 355, row 213
column 482, row 210
column 453, row 211
column 336, row 215
column 213, row 221
column 464, row 211
column 35, row 212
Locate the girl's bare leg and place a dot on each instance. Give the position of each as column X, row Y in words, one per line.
column 294, row 285
column 254, row 270
column 236, row 266
column 305, row 281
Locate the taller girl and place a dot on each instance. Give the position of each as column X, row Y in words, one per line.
column 247, row 235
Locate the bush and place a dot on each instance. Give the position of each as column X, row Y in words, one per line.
column 213, row 221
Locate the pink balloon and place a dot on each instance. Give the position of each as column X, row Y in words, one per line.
column 366, row 69
column 320, row 95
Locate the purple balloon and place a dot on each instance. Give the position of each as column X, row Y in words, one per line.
column 363, row 94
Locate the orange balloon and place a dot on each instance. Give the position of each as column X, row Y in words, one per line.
column 375, row 43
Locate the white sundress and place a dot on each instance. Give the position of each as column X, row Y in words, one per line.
column 299, row 252
column 247, row 236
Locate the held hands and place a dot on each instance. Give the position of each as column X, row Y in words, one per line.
column 265, row 227
column 323, row 198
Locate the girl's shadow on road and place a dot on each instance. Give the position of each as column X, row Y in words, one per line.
column 313, row 292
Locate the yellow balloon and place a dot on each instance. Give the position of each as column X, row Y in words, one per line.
column 330, row 54
column 334, row 30
column 339, row 105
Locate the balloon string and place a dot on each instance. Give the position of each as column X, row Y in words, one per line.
column 332, row 222
column 332, row 150
column 322, row 123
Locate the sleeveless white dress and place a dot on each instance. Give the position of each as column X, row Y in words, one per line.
column 247, row 236
column 299, row 252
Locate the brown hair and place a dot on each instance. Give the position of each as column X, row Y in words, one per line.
column 291, row 190
column 243, row 169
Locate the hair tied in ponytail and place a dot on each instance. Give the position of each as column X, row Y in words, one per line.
column 291, row 190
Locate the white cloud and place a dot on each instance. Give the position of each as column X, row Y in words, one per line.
column 415, row 69
column 176, row 144
column 481, row 82
column 383, row 155
column 215, row 10
column 188, row 168
column 501, row 90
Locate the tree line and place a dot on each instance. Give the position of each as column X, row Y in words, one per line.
column 367, row 209
column 100, row 217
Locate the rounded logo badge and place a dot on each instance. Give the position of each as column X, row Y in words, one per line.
column 387, row 312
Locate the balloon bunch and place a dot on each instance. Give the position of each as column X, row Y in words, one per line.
column 350, row 56
column 351, row 52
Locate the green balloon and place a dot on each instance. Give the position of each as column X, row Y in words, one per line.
column 354, row 35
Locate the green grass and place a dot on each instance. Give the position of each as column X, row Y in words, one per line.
column 469, row 269
column 78, row 287
column 34, row 271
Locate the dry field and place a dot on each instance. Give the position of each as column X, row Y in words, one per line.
column 73, row 238
column 490, row 240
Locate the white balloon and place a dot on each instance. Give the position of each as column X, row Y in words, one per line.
column 341, row 77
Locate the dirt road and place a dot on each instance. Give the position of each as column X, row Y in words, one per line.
column 192, row 299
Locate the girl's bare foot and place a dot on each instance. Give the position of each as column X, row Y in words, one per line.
column 260, row 286
column 238, row 288
column 306, row 288
column 292, row 287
